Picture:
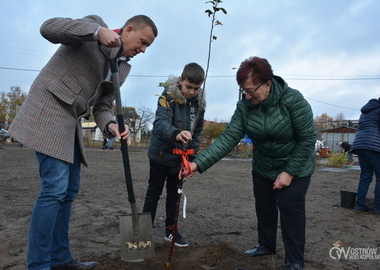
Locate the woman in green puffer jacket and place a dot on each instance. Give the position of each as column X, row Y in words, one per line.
column 280, row 123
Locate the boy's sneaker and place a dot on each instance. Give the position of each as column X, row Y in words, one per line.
column 179, row 240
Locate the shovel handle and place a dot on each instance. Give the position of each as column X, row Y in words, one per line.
column 127, row 167
column 120, row 120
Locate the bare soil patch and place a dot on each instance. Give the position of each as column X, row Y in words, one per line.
column 220, row 221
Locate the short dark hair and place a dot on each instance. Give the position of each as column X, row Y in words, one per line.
column 140, row 21
column 256, row 68
column 194, row 73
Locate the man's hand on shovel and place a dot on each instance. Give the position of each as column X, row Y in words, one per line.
column 109, row 38
column 114, row 129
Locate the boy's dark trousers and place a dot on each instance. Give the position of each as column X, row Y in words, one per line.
column 158, row 174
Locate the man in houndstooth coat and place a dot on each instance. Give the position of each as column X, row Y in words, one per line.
column 75, row 79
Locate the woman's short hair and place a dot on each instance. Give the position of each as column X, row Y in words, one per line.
column 256, row 68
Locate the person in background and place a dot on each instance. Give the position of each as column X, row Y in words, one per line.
column 178, row 125
column 280, row 123
column 111, row 141
column 76, row 78
column 105, row 142
column 367, row 146
column 3, row 136
column 347, row 149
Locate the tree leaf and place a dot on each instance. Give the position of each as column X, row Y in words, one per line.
column 209, row 12
column 224, row 11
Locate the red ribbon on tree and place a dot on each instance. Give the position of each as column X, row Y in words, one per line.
column 185, row 165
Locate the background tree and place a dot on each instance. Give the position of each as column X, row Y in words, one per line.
column 340, row 120
column 130, row 113
column 340, row 117
column 213, row 130
column 350, row 124
column 10, row 103
column 138, row 120
column 323, row 121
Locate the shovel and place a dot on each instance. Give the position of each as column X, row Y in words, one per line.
column 136, row 234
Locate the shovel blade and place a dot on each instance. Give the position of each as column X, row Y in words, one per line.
column 136, row 247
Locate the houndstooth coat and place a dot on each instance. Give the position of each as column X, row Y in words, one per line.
column 70, row 83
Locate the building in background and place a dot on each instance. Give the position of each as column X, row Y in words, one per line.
column 331, row 137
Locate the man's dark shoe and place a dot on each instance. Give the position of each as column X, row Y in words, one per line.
column 258, row 250
column 241, row 268
column 75, row 265
column 293, row 266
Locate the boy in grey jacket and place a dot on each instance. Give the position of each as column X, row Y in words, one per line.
column 178, row 124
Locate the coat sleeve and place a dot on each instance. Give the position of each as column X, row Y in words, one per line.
column 71, row 31
column 103, row 108
column 162, row 124
column 305, row 135
column 224, row 143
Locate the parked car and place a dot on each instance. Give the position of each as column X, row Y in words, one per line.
column 4, row 134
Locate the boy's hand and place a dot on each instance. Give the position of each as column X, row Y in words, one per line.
column 184, row 136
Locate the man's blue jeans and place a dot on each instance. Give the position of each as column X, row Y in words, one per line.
column 369, row 163
column 48, row 244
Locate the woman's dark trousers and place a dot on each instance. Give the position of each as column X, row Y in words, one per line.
column 290, row 202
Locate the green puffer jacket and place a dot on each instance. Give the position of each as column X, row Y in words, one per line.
column 282, row 131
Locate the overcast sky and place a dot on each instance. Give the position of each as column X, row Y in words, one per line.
column 327, row 49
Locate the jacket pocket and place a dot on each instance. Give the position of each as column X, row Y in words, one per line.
column 67, row 89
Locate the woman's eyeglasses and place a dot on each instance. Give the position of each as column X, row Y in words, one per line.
column 249, row 91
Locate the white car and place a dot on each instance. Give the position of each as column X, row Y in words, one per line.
column 4, row 134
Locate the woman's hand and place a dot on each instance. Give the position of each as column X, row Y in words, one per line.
column 193, row 167
column 283, row 180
